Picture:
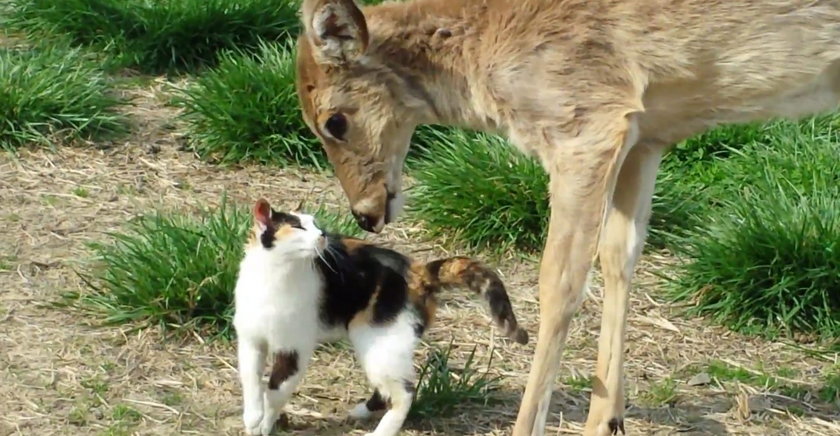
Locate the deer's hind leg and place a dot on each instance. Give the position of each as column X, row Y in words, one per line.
column 621, row 242
column 582, row 171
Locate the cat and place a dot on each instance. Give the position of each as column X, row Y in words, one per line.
column 298, row 286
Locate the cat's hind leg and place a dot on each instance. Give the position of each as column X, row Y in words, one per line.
column 365, row 409
column 251, row 358
column 387, row 352
column 287, row 370
column 400, row 395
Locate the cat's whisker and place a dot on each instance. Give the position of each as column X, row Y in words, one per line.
column 335, row 254
column 321, row 256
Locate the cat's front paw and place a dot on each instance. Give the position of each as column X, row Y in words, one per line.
column 267, row 425
column 252, row 420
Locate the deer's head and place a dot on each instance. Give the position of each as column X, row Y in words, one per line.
column 363, row 110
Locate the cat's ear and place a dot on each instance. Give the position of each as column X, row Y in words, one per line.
column 262, row 213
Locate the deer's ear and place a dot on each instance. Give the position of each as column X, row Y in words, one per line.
column 336, row 29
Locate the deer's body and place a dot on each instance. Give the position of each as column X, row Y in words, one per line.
column 597, row 89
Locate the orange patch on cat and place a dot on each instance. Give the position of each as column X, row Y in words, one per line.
column 284, row 232
column 366, row 316
column 353, row 244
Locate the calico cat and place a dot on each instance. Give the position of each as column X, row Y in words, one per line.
column 299, row 286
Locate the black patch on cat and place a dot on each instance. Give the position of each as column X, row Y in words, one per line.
column 499, row 302
column 433, row 268
column 285, row 365
column 422, row 314
column 376, row 402
column 282, row 218
column 278, row 219
column 419, row 328
column 352, row 277
column 392, row 295
column 267, row 238
column 409, row 387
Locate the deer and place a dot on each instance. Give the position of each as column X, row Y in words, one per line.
column 596, row 90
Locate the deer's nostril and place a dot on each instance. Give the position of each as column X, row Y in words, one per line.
column 364, row 221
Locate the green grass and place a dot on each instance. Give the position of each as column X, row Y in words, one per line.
column 176, row 270
column 725, row 372
column 690, row 171
column 246, row 109
column 425, row 138
column 480, row 192
column 660, row 393
column 691, row 179
column 54, row 93
column 158, row 35
column 579, row 382
column 441, row 390
column 122, row 412
column 768, row 256
column 828, row 390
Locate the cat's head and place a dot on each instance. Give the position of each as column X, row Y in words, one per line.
column 288, row 234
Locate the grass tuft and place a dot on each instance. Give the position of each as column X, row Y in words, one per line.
column 158, row 35
column 177, row 270
column 246, row 109
column 780, row 382
column 51, row 93
column 441, row 390
column 660, row 393
column 830, row 391
column 691, row 179
column 480, row 192
column 768, row 256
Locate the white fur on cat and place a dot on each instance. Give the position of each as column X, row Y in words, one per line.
column 277, row 308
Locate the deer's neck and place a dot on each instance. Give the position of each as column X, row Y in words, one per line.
column 432, row 46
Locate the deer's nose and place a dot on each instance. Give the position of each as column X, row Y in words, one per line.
column 366, row 222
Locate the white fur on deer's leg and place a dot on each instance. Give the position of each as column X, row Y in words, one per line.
column 620, row 245
column 564, row 270
column 578, row 208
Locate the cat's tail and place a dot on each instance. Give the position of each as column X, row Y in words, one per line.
column 469, row 273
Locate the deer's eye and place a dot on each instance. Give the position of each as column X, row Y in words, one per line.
column 336, row 126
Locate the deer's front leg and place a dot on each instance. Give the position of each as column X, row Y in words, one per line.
column 621, row 243
column 582, row 175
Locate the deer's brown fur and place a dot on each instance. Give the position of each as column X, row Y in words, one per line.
column 597, row 89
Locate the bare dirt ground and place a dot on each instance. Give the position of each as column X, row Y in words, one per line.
column 61, row 375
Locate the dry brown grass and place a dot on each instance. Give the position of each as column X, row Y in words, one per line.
column 60, row 375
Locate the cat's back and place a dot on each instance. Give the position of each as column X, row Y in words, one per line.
column 361, row 276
